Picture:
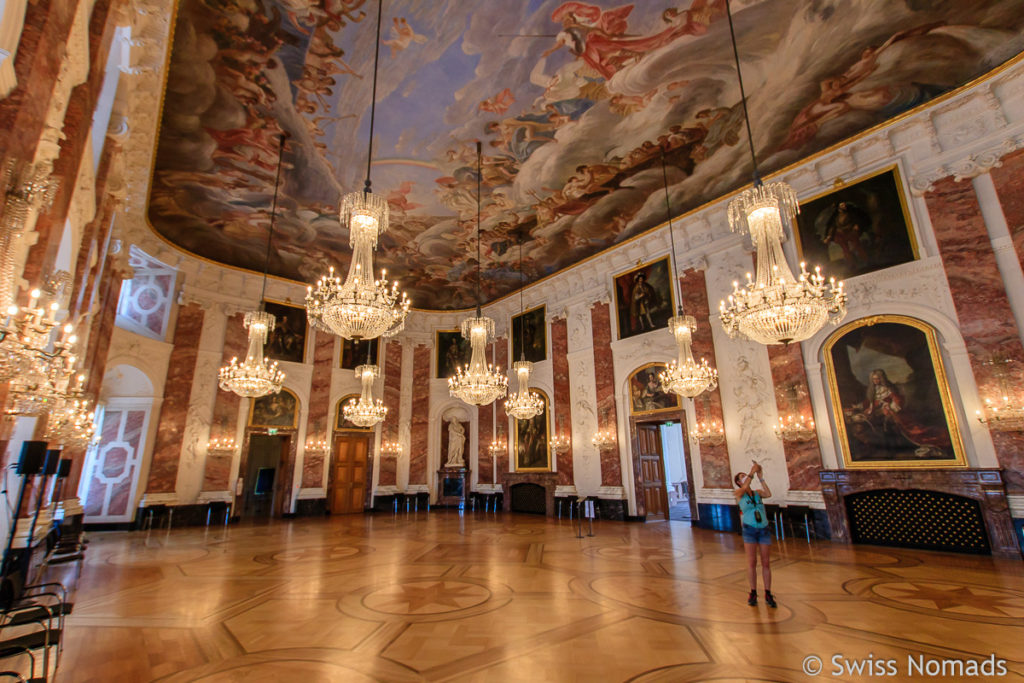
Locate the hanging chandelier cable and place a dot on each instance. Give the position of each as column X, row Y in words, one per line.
column 256, row 375
column 361, row 306
column 776, row 306
column 683, row 376
column 479, row 383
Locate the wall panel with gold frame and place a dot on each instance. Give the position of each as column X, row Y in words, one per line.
column 890, row 397
column 280, row 410
column 646, row 395
column 643, row 298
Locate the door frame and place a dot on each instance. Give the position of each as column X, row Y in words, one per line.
column 283, row 482
column 638, row 482
column 369, row 435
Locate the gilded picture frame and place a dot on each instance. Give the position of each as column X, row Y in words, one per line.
column 280, row 410
column 450, row 350
column 857, row 227
column 530, row 449
column 890, row 396
column 644, row 298
column 646, row 395
column 535, row 337
column 287, row 341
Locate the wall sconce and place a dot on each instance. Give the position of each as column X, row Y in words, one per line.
column 795, row 428
column 709, row 433
column 1002, row 416
column 497, row 447
column 604, row 439
column 391, row 449
column 560, row 443
column 317, row 447
column 221, row 446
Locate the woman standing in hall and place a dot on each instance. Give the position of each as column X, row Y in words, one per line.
column 756, row 538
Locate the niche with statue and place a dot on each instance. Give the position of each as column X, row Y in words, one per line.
column 453, row 475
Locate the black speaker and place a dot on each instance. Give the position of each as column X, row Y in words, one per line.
column 33, row 453
column 52, row 458
column 63, row 468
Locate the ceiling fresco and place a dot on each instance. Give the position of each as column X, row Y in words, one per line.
column 574, row 103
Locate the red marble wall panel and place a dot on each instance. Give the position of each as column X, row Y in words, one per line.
column 485, row 418
column 803, row 458
column 563, row 404
column 604, row 381
column 1009, row 181
column 223, row 425
column 318, row 423
column 986, row 321
column 392, row 401
column 714, row 460
column 420, row 418
column 163, row 471
column 501, row 362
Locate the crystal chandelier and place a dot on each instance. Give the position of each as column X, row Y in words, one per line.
column 361, row 307
column 684, row 376
column 776, row 307
column 366, row 411
column 525, row 404
column 72, row 424
column 256, row 375
column 480, row 383
column 28, row 351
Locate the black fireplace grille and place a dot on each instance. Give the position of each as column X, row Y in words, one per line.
column 917, row 519
column 527, row 497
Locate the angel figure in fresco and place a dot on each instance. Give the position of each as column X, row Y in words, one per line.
column 884, row 420
column 398, row 200
column 498, row 104
column 402, row 36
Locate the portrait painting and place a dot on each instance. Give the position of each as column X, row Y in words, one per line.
column 529, row 327
column 890, row 399
column 287, row 342
column 858, row 228
column 340, row 423
column 646, row 394
column 354, row 353
column 452, row 352
column 532, row 444
column 275, row 410
column 643, row 298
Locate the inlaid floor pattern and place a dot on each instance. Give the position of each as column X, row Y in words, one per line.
column 482, row 597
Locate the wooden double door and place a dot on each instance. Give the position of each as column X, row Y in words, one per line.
column 651, row 479
column 349, row 466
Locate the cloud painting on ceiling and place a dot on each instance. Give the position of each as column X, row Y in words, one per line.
column 574, row 103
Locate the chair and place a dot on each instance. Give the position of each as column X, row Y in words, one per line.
column 158, row 512
column 218, row 505
column 24, row 607
column 803, row 516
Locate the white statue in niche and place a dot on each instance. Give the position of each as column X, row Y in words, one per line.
column 456, row 443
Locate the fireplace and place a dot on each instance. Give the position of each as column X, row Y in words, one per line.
column 530, row 492
column 527, row 497
column 961, row 510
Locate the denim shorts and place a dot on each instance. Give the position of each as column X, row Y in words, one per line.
column 754, row 535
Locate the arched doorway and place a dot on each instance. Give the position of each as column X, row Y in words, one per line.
column 266, row 470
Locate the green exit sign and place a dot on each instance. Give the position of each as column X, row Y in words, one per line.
column 272, row 431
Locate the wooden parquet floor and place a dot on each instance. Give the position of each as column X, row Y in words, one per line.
column 439, row 597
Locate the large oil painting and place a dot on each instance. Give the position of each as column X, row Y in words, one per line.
column 646, row 394
column 643, row 298
column 533, row 451
column 890, row 398
column 354, row 352
column 529, row 327
column 275, row 410
column 858, row 228
column 288, row 340
column 452, row 351
column 575, row 102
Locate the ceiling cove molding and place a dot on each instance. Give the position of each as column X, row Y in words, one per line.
column 962, row 136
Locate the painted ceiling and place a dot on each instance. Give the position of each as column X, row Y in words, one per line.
column 574, row 103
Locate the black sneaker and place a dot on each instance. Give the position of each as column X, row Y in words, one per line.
column 769, row 599
column 752, row 599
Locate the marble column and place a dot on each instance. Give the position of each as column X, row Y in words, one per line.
column 224, row 424
column 986, row 320
column 714, row 460
column 387, row 476
column 1009, row 181
column 318, row 416
column 420, row 422
column 163, row 469
column 792, row 396
column 562, row 401
column 485, row 419
column 501, row 362
column 604, row 382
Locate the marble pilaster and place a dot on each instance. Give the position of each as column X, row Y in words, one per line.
column 714, row 460
column 792, row 396
column 318, row 419
column 223, row 425
column 604, row 382
column 562, row 398
column 420, row 419
column 501, row 362
column 1009, row 181
column 485, row 419
column 392, row 401
column 163, row 469
column 986, row 320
